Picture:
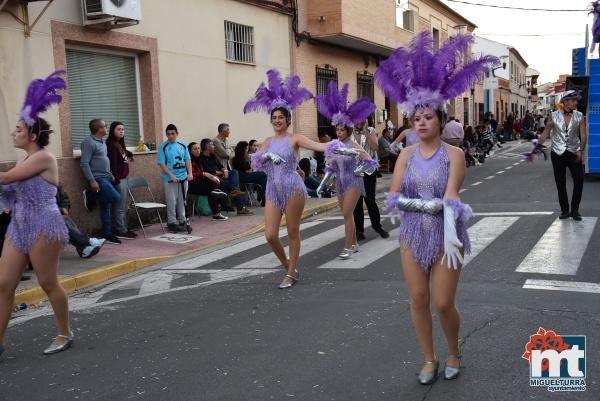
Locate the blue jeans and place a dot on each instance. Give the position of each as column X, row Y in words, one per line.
column 107, row 196
column 233, row 182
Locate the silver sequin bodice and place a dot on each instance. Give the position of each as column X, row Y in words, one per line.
column 565, row 137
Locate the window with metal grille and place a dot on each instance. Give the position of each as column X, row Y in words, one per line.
column 324, row 76
column 365, row 87
column 239, row 43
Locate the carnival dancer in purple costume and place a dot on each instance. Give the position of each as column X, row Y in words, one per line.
column 594, row 8
column 277, row 157
column 425, row 185
column 343, row 154
column 37, row 231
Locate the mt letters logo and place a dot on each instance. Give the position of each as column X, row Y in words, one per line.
column 556, row 361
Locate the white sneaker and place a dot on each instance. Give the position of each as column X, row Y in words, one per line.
column 89, row 251
column 97, row 242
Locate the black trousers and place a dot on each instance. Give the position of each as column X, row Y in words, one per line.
column 359, row 214
column 560, row 163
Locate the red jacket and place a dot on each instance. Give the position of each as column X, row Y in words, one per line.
column 119, row 162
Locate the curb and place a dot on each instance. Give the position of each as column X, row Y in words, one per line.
column 102, row 274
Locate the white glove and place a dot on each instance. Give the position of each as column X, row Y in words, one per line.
column 274, row 157
column 452, row 244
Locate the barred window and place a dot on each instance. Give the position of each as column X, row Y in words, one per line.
column 365, row 88
column 239, row 43
column 324, row 76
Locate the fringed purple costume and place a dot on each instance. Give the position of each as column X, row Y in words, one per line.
column 423, row 233
column 594, row 8
column 343, row 167
column 34, row 213
column 283, row 182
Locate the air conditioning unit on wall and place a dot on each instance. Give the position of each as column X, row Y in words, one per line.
column 111, row 14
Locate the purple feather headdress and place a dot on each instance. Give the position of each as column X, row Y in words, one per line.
column 418, row 76
column 594, row 8
column 41, row 94
column 278, row 93
column 334, row 105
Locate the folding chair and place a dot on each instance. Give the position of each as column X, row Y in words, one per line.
column 140, row 182
column 252, row 191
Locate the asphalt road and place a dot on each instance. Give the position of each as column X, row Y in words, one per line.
column 215, row 327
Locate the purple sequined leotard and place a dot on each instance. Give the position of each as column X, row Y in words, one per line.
column 283, row 182
column 34, row 214
column 344, row 166
column 421, row 232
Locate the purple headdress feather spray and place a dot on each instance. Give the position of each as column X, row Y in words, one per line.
column 278, row 93
column 418, row 76
column 594, row 8
column 334, row 105
column 41, row 94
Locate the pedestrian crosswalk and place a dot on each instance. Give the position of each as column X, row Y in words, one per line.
column 558, row 250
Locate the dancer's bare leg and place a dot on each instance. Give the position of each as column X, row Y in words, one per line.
column 417, row 282
column 12, row 264
column 293, row 214
column 44, row 259
column 272, row 222
column 444, row 282
column 349, row 201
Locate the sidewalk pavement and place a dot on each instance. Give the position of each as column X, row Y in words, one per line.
column 112, row 261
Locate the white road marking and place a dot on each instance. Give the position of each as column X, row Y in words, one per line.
column 490, row 177
column 462, row 190
column 556, row 285
column 501, row 172
column 561, row 248
column 485, row 231
column 158, row 281
column 367, row 254
column 204, row 259
column 509, row 167
column 476, row 183
column 313, row 243
column 512, row 213
column 516, row 164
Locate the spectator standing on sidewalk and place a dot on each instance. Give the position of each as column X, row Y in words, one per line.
column 367, row 139
column 86, row 246
column 508, row 126
column 120, row 158
column 223, row 151
column 453, row 132
column 174, row 161
column 385, row 150
column 96, row 170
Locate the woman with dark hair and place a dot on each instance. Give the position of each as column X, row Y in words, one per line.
column 425, row 186
column 253, row 146
column 241, row 163
column 346, row 158
column 277, row 157
column 119, row 158
column 205, row 184
column 37, row 231
column 310, row 181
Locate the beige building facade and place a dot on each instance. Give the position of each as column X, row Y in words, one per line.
column 346, row 40
column 191, row 63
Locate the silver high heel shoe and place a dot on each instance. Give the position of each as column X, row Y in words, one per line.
column 451, row 372
column 294, row 280
column 346, row 252
column 55, row 348
column 427, row 378
column 354, row 248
